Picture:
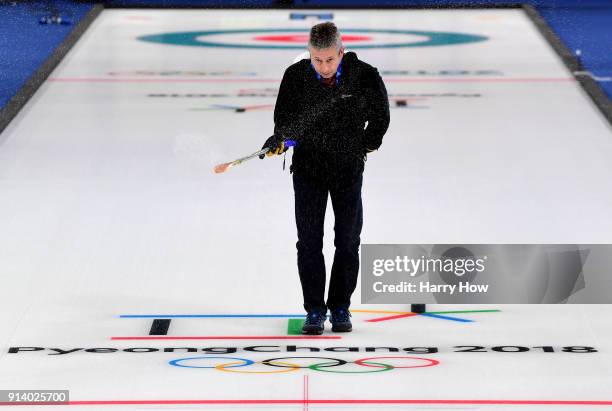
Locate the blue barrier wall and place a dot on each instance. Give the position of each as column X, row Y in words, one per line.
column 356, row 3
column 590, row 31
column 26, row 44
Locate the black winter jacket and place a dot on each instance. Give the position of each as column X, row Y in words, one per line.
column 328, row 123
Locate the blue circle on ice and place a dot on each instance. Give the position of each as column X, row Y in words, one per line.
column 193, row 38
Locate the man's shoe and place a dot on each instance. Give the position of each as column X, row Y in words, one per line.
column 341, row 320
column 315, row 322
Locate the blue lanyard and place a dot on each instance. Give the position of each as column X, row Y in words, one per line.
column 338, row 72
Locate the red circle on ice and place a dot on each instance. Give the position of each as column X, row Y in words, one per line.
column 303, row 38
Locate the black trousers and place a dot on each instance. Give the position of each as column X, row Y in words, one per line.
column 310, row 204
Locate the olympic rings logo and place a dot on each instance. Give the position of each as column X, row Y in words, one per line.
column 287, row 366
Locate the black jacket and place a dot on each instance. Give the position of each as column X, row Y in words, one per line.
column 328, row 123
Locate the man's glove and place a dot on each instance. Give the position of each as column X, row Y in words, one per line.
column 276, row 144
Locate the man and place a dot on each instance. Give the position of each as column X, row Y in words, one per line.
column 324, row 104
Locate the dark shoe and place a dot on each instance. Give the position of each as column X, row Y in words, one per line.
column 315, row 322
column 341, row 320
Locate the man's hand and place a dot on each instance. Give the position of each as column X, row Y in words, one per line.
column 276, row 144
column 278, row 150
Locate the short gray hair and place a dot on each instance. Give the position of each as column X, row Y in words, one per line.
column 325, row 35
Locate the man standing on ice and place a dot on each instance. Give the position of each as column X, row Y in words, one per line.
column 336, row 108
